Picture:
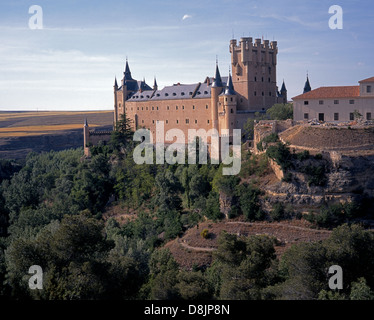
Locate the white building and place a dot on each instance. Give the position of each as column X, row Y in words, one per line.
column 336, row 103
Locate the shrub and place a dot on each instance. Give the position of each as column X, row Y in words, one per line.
column 278, row 213
column 280, row 154
column 273, row 137
column 303, row 155
column 205, row 233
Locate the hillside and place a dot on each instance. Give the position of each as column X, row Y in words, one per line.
column 192, row 249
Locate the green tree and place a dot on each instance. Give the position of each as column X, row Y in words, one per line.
column 163, row 276
column 123, row 134
column 280, row 111
column 361, row 291
column 192, row 285
column 241, row 266
column 249, row 201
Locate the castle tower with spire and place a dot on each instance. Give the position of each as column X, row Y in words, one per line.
column 307, row 86
column 219, row 102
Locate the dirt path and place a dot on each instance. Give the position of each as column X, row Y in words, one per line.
column 280, row 224
column 185, row 245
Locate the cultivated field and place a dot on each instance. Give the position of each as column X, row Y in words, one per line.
column 23, row 132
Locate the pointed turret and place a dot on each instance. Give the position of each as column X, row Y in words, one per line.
column 85, row 122
column 217, row 79
column 155, row 86
column 307, row 86
column 115, row 83
column 127, row 73
column 283, row 89
column 230, row 87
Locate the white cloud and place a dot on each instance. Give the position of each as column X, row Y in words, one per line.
column 186, row 16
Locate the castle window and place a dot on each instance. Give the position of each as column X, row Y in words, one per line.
column 232, row 110
column 206, row 107
column 153, row 121
column 138, row 108
column 142, row 121
column 368, row 89
column 195, row 121
column 120, row 105
column 193, row 107
column 166, row 94
column 174, row 94
column 336, row 116
column 336, row 101
column 147, row 96
column 153, row 108
column 157, row 94
column 255, row 78
column 142, row 108
column 269, row 94
column 182, row 93
column 156, row 108
column 262, row 79
column 321, row 102
column 205, row 92
column 351, row 116
column 231, row 99
column 226, row 98
column 351, row 102
column 306, row 116
column 368, row 116
column 183, row 107
column 176, row 107
column 187, row 121
column 167, row 121
column 177, row 121
column 255, row 93
column 168, row 107
column 306, row 103
column 321, row 117
column 263, row 93
column 208, row 121
column 269, row 80
column 190, row 93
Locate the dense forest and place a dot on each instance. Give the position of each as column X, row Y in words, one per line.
column 51, row 214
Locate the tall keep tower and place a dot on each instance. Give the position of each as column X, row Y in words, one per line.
column 254, row 73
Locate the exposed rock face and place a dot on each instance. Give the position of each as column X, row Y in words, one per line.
column 346, row 179
column 225, row 203
column 348, row 171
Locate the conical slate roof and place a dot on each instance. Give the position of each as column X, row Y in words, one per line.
column 307, row 86
column 230, row 87
column 217, row 79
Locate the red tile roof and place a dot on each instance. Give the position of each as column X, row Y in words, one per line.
column 331, row 92
column 367, row 80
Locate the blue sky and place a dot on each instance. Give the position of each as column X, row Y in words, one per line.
column 71, row 63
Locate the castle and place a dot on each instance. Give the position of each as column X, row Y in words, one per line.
column 215, row 103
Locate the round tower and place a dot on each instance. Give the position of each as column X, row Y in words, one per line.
column 230, row 103
column 216, row 90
